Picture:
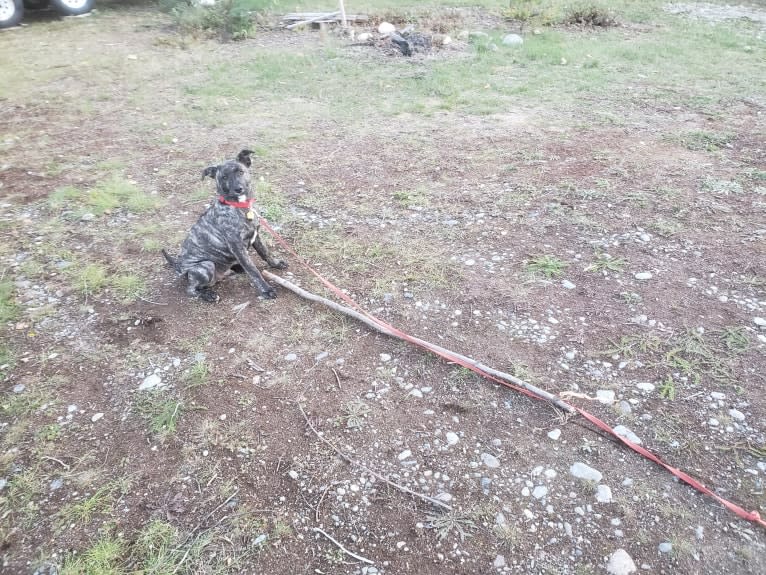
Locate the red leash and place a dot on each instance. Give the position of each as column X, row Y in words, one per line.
column 686, row 478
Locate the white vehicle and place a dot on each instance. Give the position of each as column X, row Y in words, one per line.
column 12, row 11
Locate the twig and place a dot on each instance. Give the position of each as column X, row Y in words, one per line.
column 151, row 302
column 346, row 551
column 337, row 378
column 458, row 358
column 64, row 465
column 321, row 498
column 345, row 457
column 328, row 16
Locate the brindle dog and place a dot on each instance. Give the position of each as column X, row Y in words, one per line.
column 220, row 239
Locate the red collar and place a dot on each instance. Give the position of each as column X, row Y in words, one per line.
column 248, row 204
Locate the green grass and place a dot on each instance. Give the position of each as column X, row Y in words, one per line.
column 102, row 558
column 22, row 404
column 546, row 265
column 84, row 511
column 606, row 263
column 129, row 287
column 668, row 388
column 90, row 279
column 9, row 311
column 161, row 412
column 707, row 141
column 271, row 203
column 197, row 375
column 105, row 197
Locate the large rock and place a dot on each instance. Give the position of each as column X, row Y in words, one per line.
column 512, row 40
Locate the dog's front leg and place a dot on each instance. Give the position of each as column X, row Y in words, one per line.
column 263, row 251
column 243, row 258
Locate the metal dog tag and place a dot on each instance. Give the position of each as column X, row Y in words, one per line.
column 250, row 214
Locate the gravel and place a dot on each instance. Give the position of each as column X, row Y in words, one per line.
column 586, row 472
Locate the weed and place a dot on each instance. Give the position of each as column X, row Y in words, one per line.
column 354, row 413
column 705, row 141
column 158, row 549
column 631, row 297
column 7, row 361
column 128, row 286
column 589, row 15
column 450, row 521
column 100, row 502
column 229, row 19
column 197, row 374
column 630, row 346
column 9, row 311
column 508, row 535
column 22, row 404
column 735, row 339
column 280, row 530
column 721, row 187
column 666, row 228
column 668, row 388
column 417, row 197
column 63, row 198
column 104, row 558
column 606, row 263
column 549, row 266
column 161, row 412
column 90, row 280
column 49, row 432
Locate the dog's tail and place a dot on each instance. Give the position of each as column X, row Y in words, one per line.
column 171, row 260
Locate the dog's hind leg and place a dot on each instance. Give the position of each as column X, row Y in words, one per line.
column 263, row 251
column 201, row 279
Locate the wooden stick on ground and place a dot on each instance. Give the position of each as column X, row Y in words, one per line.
column 541, row 393
column 370, row 471
column 328, row 16
column 343, row 20
column 346, row 551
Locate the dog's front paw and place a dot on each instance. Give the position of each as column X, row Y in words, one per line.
column 279, row 264
column 209, row 296
column 269, row 293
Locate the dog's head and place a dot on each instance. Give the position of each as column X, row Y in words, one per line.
column 232, row 178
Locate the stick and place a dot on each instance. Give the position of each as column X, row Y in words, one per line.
column 346, row 551
column 64, row 465
column 370, row 471
column 337, row 378
column 534, row 390
column 327, row 16
column 343, row 20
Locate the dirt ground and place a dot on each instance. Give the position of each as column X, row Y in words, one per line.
column 607, row 242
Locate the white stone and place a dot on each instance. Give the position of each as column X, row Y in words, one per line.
column 550, row 473
column 605, row 396
column 452, row 438
column 623, row 431
column 416, row 393
column 665, row 547
column 404, row 455
column 386, row 28
column 384, row 357
column 759, row 321
column 150, row 382
column 444, row 496
column 736, row 414
column 645, row 386
column 718, row 395
column 499, row 562
column 713, row 422
column 566, row 284
column 490, row 460
column 604, row 494
column 364, row 36
column 643, row 276
column 512, row 40
column 291, row 357
column 540, row 491
column 96, row 417
column 293, row 474
column 554, row 434
column 583, row 471
column 620, row 563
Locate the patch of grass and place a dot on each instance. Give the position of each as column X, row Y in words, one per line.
column 606, row 263
column 90, row 280
column 589, row 15
column 119, row 192
column 228, row 19
column 271, row 202
column 9, row 311
column 735, row 339
column 705, row 141
column 157, row 546
column 668, row 388
column 49, row 432
column 197, row 375
column 631, row 298
column 666, row 228
column 82, row 512
column 354, row 413
column 129, row 287
column 508, row 536
column 417, row 197
column 161, row 412
column 22, row 404
column 450, row 522
column 721, row 187
column 7, row 361
column 64, row 197
column 546, row 265
column 102, row 558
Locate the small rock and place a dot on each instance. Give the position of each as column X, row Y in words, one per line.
column 737, row 415
column 291, row 357
column 605, row 396
column 452, row 438
column 512, row 40
column 96, row 417
column 623, row 431
column 759, row 321
column 416, row 393
column 444, row 496
column 321, row 356
column 718, row 395
column 699, row 533
column 404, row 455
column 293, row 474
column 713, row 422
column 56, row 484
column 566, row 284
column 499, row 562
column 645, row 386
column 583, row 471
column 665, row 547
column 87, row 217
column 540, row 491
column 643, row 276
column 604, row 494
column 441, row 39
column 71, row 408
column 260, row 539
column 490, row 460
column 620, row 563
column 19, row 387
column 384, row 357
column 386, row 28
column 3, row 483
column 554, row 434
column 364, row 37
column 625, row 408
column 150, row 382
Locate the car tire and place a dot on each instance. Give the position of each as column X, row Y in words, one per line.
column 72, row 7
column 11, row 12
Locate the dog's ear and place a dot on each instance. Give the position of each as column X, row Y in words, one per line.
column 244, row 157
column 210, row 171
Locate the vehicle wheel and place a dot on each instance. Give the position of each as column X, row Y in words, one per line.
column 11, row 12
column 72, row 7
column 35, row 4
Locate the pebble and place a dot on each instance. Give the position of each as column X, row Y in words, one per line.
column 625, row 408
column 512, row 40
column 645, row 386
column 499, row 562
column 56, row 484
column 620, row 563
column 566, row 284
column 604, row 494
column 293, row 474
column 643, row 276
column 87, row 217
column 19, row 387
column 452, row 438
column 718, row 395
column 291, row 357
column 665, row 547
column 554, row 434
column 384, row 357
column 623, row 431
column 96, row 417
column 364, row 36
column 321, row 356
column 416, row 393
column 540, row 491
column 759, row 321
column 3, row 483
column 150, row 382
column 490, row 460
column 444, row 496
column 713, row 422
column 736, row 414
column 583, row 471
column 386, row 28
column 404, row 455
column 605, row 396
